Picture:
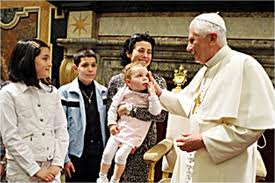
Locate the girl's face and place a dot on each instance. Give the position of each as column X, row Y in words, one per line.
column 87, row 70
column 142, row 52
column 43, row 63
column 139, row 79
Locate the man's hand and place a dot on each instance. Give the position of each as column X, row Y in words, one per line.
column 45, row 175
column 190, row 142
column 69, row 169
column 114, row 129
column 155, row 84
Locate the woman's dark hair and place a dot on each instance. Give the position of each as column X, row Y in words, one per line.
column 129, row 46
column 83, row 52
column 22, row 65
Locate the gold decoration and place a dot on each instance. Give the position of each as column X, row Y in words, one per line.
column 197, row 103
column 80, row 24
column 179, row 78
column 66, row 72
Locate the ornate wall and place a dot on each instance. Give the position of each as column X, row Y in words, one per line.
column 104, row 26
column 105, row 31
column 22, row 20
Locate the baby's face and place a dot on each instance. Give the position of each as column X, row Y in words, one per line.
column 139, row 79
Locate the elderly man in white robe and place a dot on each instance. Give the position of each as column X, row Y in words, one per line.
column 230, row 102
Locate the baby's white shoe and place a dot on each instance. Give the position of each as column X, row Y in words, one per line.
column 114, row 180
column 102, row 180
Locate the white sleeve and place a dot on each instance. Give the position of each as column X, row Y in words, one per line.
column 175, row 103
column 154, row 105
column 116, row 101
column 226, row 141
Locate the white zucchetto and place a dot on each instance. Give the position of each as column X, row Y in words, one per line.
column 214, row 18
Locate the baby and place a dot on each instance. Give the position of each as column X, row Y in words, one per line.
column 128, row 133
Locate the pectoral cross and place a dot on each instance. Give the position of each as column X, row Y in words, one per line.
column 197, row 103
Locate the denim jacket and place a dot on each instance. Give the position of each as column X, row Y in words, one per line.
column 76, row 115
column 33, row 126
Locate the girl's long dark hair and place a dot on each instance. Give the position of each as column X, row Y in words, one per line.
column 22, row 65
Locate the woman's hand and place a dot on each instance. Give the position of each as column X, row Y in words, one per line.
column 69, row 169
column 45, row 175
column 155, row 84
column 2, row 171
column 122, row 110
column 114, row 129
column 54, row 170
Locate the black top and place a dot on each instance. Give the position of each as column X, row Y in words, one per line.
column 93, row 139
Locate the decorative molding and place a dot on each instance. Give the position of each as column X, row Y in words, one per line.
column 56, row 15
column 165, row 6
column 22, row 14
column 267, row 45
column 168, row 55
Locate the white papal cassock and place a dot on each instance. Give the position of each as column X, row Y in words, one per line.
column 237, row 105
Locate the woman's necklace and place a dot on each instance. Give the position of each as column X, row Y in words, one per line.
column 86, row 96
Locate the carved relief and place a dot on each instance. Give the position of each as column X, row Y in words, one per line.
column 15, row 25
column 80, row 24
column 11, row 16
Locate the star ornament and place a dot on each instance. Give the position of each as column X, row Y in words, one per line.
column 80, row 24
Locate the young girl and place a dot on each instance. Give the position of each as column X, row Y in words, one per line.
column 129, row 132
column 33, row 123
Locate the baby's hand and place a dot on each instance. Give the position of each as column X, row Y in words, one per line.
column 151, row 89
column 114, row 129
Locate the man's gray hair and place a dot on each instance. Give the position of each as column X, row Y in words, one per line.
column 203, row 28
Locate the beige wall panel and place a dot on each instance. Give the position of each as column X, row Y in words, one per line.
column 250, row 27
column 156, row 26
column 238, row 27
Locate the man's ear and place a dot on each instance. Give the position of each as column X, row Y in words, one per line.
column 74, row 67
column 213, row 38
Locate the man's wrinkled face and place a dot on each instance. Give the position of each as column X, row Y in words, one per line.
column 198, row 46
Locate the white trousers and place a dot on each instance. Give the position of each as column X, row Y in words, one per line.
column 112, row 149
